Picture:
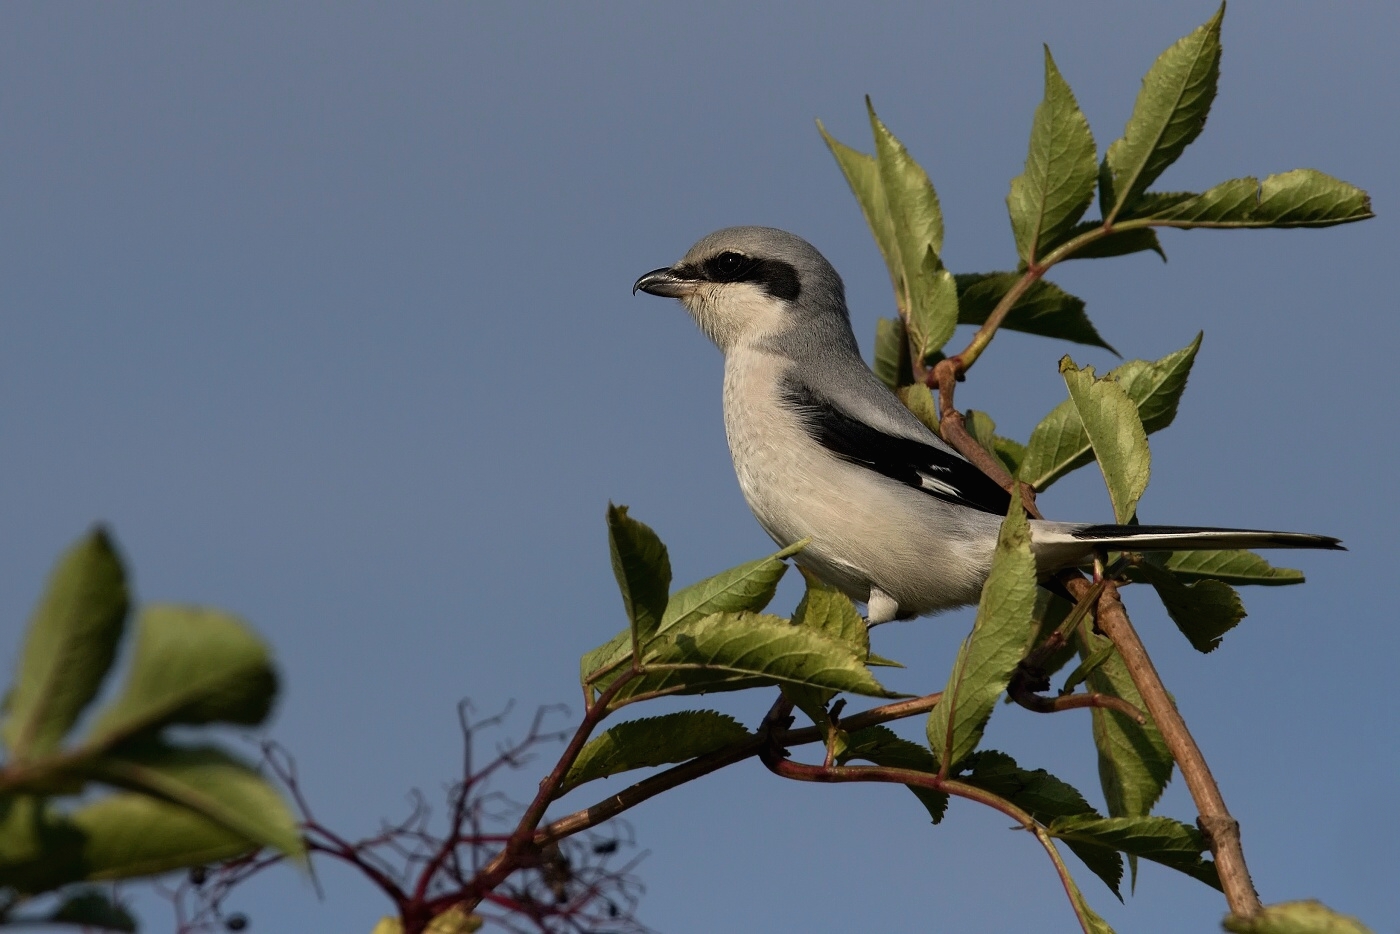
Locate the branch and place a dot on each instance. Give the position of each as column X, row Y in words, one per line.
column 1222, row 832
column 700, row 766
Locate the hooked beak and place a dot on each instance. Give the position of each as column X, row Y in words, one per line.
column 665, row 282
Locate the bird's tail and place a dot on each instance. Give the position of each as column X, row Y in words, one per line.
column 1065, row 544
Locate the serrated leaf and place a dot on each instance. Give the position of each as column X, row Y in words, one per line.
column 1161, row 839
column 68, row 649
column 1045, row 798
column 1134, row 764
column 892, row 363
column 604, row 658
column 191, row 665
column 915, row 215
column 828, row 611
column 1059, row 443
column 933, row 308
column 1116, row 243
column 1115, row 432
column 882, row 746
column 1300, row 198
column 119, row 836
column 1036, row 791
column 1203, row 611
column 1232, row 567
column 750, row 586
column 91, row 909
column 1169, row 113
column 1045, row 309
column 730, row 651
column 989, row 655
column 1055, row 189
column 1301, row 917
column 211, row 783
column 863, row 175
column 926, row 293
column 653, row 741
column 642, row 569
column 919, row 400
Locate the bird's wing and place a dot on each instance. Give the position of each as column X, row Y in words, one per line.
column 930, row 468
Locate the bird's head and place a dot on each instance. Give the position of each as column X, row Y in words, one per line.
column 747, row 284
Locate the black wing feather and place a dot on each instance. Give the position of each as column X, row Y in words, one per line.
column 951, row 478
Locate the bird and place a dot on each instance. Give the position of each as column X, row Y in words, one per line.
column 893, row 516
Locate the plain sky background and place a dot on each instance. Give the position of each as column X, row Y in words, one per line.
column 324, row 307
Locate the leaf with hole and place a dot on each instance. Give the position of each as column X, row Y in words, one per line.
column 1059, row 444
column 1115, row 432
column 1203, row 611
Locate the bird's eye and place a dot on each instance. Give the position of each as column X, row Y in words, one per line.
column 729, row 265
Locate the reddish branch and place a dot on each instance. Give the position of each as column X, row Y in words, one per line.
column 1220, row 829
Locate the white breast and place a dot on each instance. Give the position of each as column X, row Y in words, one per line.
column 865, row 529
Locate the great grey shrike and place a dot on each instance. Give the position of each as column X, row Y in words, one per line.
column 896, row 518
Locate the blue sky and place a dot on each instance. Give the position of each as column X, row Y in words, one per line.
column 324, row 307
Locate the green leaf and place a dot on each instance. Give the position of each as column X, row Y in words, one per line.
column 730, row 651
column 1052, row 194
column 1036, row 792
column 653, row 741
column 933, row 308
column 1118, row 243
column 882, row 746
column 1115, row 432
column 1060, row 444
column 919, row 400
column 983, row 431
column 1045, row 798
column 1300, row 198
column 209, row 782
column 1045, row 309
column 1134, row 765
column 1301, row 917
column 892, row 363
column 68, row 649
column 828, row 611
column 191, row 665
column 915, row 215
column 1203, row 611
column 926, row 292
column 747, row 587
column 863, row 175
column 1163, row 840
column 642, row 569
column 989, row 655
column 1169, row 113
column 92, row 909
column 119, row 836
column 595, row 663
column 1089, row 664
column 1232, row 567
